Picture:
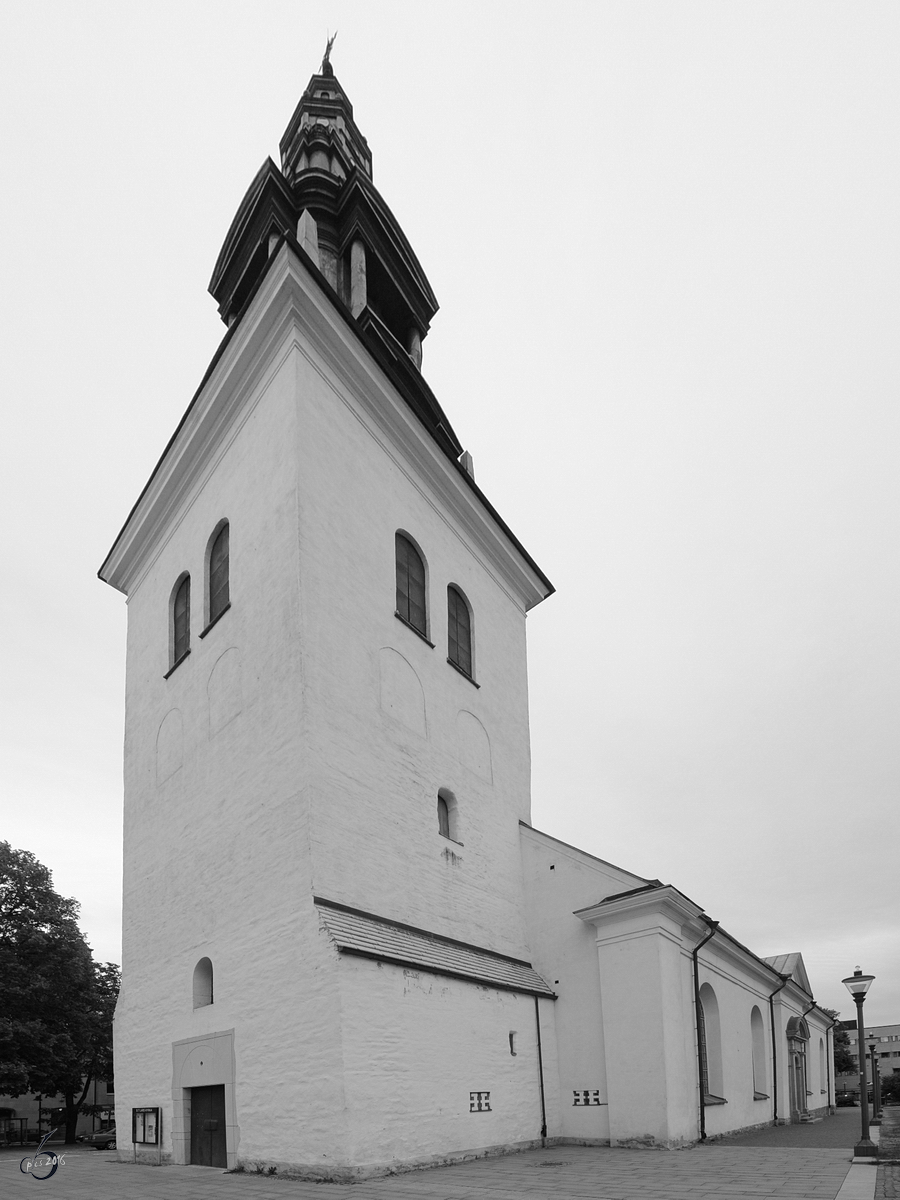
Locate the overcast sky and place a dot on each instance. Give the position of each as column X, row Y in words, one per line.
column 664, row 237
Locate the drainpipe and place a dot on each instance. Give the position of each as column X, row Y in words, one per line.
column 698, row 1009
column 783, row 984
column 537, row 1018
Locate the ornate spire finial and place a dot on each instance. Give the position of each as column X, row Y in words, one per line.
column 326, row 67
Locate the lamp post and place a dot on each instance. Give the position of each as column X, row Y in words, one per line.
column 857, row 985
column 876, row 1082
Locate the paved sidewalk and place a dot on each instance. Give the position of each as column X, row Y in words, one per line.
column 712, row 1172
column 841, row 1131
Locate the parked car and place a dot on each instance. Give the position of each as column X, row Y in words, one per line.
column 845, row 1100
column 103, row 1139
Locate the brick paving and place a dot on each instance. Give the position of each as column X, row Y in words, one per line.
column 888, row 1185
column 717, row 1171
column 890, row 1132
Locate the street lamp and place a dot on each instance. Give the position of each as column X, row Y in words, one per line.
column 857, row 985
column 876, row 1082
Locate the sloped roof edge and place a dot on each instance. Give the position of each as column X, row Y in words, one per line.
column 369, row 936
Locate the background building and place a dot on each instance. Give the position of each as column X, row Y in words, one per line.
column 35, row 1115
column 887, row 1052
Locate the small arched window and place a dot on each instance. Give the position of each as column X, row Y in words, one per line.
column 203, row 983
column 410, row 585
column 446, row 814
column 459, row 631
column 443, row 817
column 218, row 582
column 181, row 620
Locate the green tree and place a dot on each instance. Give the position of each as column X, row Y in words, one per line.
column 56, row 1003
column 844, row 1062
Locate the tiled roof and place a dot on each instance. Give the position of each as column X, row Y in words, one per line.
column 790, row 964
column 361, row 933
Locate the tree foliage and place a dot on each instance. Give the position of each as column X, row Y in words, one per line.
column 56, row 1003
column 844, row 1062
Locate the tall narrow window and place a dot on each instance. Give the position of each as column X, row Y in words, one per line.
column 758, row 1056
column 446, row 814
column 410, row 584
column 203, row 983
column 459, row 631
column 702, row 1051
column 181, row 620
column 710, row 1038
column 443, row 817
column 219, row 595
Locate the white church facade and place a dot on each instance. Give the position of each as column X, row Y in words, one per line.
column 346, row 950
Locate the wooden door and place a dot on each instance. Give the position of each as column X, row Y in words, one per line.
column 208, row 1126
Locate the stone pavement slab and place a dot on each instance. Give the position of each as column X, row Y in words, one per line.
column 711, row 1172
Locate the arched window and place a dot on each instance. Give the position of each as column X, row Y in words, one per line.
column 446, row 814
column 181, row 620
column 443, row 817
column 217, row 578
column 758, row 1051
column 459, row 631
column 410, row 585
column 710, row 1046
column 203, row 983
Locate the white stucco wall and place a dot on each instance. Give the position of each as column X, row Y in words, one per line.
column 415, row 1047
column 558, row 880
column 790, row 1003
column 376, row 767
column 644, row 944
column 738, row 987
column 216, row 848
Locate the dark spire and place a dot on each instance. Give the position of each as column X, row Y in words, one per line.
column 323, row 200
column 326, row 67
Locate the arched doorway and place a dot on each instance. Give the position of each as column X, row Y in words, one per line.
column 797, row 1033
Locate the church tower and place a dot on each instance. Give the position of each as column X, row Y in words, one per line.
column 345, row 949
column 327, row 745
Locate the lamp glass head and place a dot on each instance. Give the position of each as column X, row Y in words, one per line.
column 858, row 984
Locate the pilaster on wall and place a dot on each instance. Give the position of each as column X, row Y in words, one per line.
column 647, row 1015
column 782, row 1087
